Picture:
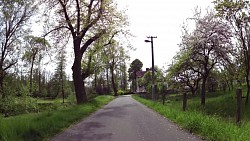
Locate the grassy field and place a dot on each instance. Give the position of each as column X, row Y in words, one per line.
column 215, row 121
column 40, row 126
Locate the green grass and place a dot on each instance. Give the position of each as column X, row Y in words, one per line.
column 40, row 126
column 215, row 121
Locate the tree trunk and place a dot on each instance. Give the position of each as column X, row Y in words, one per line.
column 248, row 87
column 81, row 96
column 1, row 84
column 107, row 76
column 247, row 76
column 113, row 81
column 95, row 80
column 203, row 91
column 31, row 73
column 62, row 85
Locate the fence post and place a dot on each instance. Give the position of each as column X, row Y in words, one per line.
column 239, row 101
column 184, row 103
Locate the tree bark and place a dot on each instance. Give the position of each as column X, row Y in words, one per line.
column 203, row 91
column 248, row 87
column 113, row 81
column 31, row 73
column 81, row 96
column 1, row 83
column 107, row 76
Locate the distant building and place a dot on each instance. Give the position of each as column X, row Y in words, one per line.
column 140, row 74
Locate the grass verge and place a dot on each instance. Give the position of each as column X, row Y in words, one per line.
column 41, row 126
column 209, row 127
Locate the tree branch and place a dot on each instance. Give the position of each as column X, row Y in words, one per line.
column 71, row 28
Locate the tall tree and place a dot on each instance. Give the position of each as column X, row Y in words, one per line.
column 60, row 74
column 117, row 57
column 14, row 16
column 34, row 51
column 238, row 15
column 208, row 45
column 86, row 21
column 135, row 66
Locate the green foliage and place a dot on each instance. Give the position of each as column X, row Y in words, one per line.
column 216, row 121
column 135, row 66
column 210, row 127
column 10, row 105
column 120, row 92
column 44, row 125
column 146, row 80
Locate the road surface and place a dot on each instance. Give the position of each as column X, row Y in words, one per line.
column 125, row 119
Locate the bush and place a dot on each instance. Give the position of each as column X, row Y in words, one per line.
column 120, row 92
column 11, row 106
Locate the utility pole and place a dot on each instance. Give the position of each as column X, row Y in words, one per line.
column 153, row 65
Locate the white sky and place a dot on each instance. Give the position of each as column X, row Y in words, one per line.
column 161, row 18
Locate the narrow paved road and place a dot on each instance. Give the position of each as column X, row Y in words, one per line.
column 125, row 119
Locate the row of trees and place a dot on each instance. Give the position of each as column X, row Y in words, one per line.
column 216, row 53
column 92, row 27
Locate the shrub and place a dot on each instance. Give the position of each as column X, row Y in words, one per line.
column 10, row 106
column 120, row 92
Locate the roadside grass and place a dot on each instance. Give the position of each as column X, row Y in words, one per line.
column 41, row 126
column 215, row 121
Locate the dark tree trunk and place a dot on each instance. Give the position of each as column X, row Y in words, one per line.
column 113, row 81
column 62, row 83
column 81, row 96
column 228, row 85
column 107, row 76
column 192, row 91
column 248, row 88
column 1, row 87
column 78, row 83
column 95, row 80
column 247, row 75
column 31, row 73
column 203, row 91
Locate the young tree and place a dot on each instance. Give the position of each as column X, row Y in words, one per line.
column 86, row 21
column 60, row 74
column 14, row 16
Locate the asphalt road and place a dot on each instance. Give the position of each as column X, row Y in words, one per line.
column 125, row 119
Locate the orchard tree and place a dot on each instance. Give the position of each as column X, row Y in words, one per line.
column 208, row 45
column 236, row 12
column 85, row 21
column 182, row 73
column 14, row 17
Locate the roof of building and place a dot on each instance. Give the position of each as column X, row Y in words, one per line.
column 140, row 73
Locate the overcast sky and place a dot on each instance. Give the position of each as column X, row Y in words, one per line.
column 161, row 18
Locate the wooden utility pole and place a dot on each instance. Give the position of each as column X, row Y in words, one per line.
column 153, row 68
